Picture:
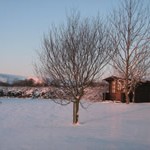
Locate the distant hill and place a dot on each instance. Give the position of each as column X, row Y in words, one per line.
column 10, row 79
column 16, row 80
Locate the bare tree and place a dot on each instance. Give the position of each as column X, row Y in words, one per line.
column 75, row 54
column 131, row 38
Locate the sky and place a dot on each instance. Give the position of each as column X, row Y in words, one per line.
column 23, row 23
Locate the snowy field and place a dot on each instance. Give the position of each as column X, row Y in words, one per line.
column 27, row 124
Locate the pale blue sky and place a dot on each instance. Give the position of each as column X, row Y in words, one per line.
column 23, row 22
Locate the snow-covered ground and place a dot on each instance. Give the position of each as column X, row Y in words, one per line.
column 27, row 124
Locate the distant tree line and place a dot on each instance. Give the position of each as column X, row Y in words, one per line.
column 23, row 83
column 46, row 83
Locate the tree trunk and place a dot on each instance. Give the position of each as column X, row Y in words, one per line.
column 75, row 111
column 127, row 98
column 127, row 93
column 133, row 96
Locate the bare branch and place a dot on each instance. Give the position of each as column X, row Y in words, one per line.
column 75, row 54
column 130, row 36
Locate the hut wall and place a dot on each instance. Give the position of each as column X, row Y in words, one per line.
column 142, row 93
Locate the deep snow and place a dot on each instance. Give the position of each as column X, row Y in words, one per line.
column 27, row 124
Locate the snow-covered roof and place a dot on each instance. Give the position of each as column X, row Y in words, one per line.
column 112, row 78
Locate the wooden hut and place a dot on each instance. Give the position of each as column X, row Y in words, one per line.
column 142, row 92
column 116, row 90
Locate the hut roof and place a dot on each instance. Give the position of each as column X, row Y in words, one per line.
column 111, row 78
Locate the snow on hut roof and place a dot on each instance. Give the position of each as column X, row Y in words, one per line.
column 112, row 78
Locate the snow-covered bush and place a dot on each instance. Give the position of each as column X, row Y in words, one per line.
column 35, row 93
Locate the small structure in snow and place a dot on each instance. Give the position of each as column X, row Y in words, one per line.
column 117, row 93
